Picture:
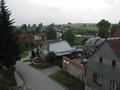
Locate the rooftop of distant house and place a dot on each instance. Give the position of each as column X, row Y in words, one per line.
column 52, row 41
column 26, row 36
column 115, row 45
column 116, row 33
column 59, row 47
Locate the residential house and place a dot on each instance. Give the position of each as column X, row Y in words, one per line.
column 40, row 37
column 59, row 47
column 59, row 35
column 28, row 38
column 90, row 47
column 116, row 33
column 94, row 41
column 59, row 32
column 103, row 68
column 38, row 40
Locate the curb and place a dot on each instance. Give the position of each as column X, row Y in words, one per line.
column 21, row 83
column 19, row 80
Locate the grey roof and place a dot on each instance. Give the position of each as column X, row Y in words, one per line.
column 60, row 47
column 52, row 41
column 95, row 41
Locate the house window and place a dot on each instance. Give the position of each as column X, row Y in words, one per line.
column 113, row 85
column 113, row 63
column 97, row 79
column 100, row 59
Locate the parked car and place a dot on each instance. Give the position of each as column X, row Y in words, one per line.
column 37, row 59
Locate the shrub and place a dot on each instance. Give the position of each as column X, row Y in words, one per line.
column 51, row 57
column 7, row 80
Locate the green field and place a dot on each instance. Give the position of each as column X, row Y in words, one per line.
column 24, row 54
column 91, row 26
column 84, row 28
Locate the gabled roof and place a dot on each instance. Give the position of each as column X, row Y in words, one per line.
column 59, row 47
column 115, row 45
column 95, row 41
column 52, row 41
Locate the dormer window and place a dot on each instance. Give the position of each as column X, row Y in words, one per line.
column 100, row 59
column 113, row 63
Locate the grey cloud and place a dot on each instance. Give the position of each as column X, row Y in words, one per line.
column 111, row 1
column 24, row 12
column 54, row 9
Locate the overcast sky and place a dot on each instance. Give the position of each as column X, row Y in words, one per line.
column 64, row 11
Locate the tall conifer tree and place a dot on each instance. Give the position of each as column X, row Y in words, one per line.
column 9, row 48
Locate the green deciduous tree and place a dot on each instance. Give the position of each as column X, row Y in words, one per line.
column 69, row 36
column 9, row 48
column 51, row 33
column 18, row 30
column 51, row 57
column 38, row 28
column 80, row 40
column 24, row 27
column 104, row 27
column 119, row 23
column 23, row 45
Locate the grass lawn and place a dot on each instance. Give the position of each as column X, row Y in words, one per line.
column 79, row 40
column 42, row 65
column 24, row 54
column 68, row 81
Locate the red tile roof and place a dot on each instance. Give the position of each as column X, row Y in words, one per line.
column 116, row 33
column 26, row 36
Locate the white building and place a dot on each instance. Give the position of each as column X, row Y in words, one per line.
column 59, row 47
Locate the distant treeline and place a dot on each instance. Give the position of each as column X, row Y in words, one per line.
column 30, row 28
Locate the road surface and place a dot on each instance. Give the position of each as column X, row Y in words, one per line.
column 51, row 70
column 36, row 79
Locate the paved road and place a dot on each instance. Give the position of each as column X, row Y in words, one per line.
column 36, row 79
column 50, row 70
